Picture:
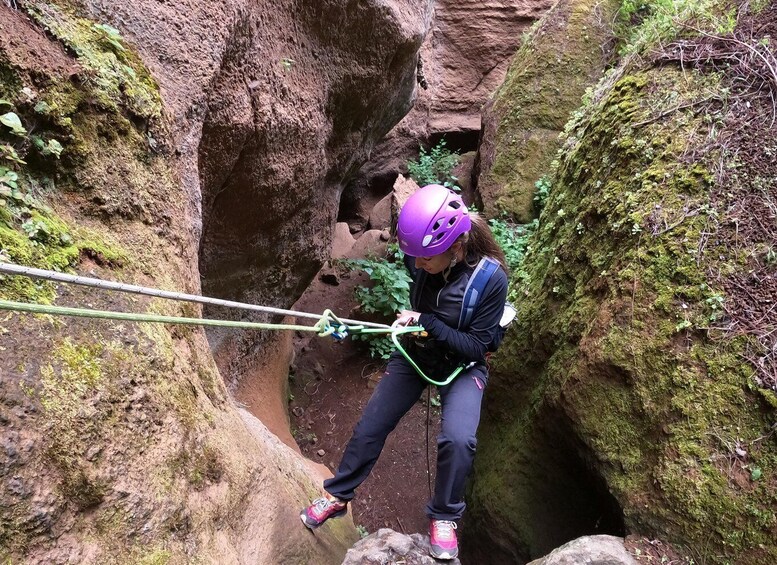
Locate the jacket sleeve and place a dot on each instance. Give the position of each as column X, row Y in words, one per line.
column 472, row 344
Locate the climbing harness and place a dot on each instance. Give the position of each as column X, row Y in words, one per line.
column 327, row 324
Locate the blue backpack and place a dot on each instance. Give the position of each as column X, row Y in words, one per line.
column 474, row 290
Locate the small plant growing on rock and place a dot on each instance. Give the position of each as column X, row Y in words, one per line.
column 435, row 166
column 391, row 285
column 512, row 238
column 12, row 121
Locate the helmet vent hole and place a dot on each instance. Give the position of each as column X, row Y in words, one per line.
column 451, row 222
column 437, row 225
column 454, row 204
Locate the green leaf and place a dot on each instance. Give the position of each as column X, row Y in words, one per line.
column 42, row 107
column 755, row 473
column 53, row 147
column 12, row 121
column 8, row 177
column 112, row 35
column 10, row 153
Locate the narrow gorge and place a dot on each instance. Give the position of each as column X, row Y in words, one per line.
column 625, row 154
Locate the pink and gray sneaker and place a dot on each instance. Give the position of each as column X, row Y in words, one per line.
column 320, row 510
column 442, row 538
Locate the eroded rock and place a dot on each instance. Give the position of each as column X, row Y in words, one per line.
column 387, row 546
column 546, row 80
column 221, row 151
column 596, row 550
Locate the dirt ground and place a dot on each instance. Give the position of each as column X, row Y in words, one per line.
column 331, row 383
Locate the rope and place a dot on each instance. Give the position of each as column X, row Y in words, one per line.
column 428, row 423
column 322, row 327
column 12, row 269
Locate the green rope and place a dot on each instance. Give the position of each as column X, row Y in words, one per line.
column 323, row 327
column 395, row 333
column 319, row 327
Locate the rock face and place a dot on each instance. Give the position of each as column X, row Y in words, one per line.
column 596, row 550
column 624, row 398
column 566, row 54
column 465, row 58
column 273, row 107
column 157, row 138
column 283, row 103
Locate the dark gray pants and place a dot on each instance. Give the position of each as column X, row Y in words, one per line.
column 395, row 394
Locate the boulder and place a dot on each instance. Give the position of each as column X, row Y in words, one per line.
column 387, row 546
column 370, row 244
column 546, row 79
column 380, row 216
column 342, row 241
column 403, row 188
column 621, row 399
column 593, row 550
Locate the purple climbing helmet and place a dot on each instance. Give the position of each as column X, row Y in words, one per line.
column 431, row 220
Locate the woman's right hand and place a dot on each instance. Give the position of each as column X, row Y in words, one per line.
column 407, row 318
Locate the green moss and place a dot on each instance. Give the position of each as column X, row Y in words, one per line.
column 155, row 557
column 10, row 85
column 117, row 76
column 77, row 390
column 642, row 24
column 610, row 332
column 544, row 84
column 75, row 375
column 99, row 248
column 19, row 248
column 47, row 242
column 200, row 465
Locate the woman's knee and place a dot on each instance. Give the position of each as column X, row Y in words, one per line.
column 458, row 440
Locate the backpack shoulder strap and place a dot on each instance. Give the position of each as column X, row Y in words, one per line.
column 474, row 290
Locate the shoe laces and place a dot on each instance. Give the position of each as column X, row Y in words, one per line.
column 444, row 528
column 323, row 504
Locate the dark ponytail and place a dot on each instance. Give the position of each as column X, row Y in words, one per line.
column 479, row 242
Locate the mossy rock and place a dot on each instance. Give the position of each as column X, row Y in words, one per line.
column 609, row 382
column 100, row 207
column 562, row 56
